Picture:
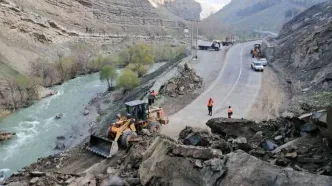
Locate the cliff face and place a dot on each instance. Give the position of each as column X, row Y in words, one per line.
column 244, row 17
column 303, row 50
column 186, row 9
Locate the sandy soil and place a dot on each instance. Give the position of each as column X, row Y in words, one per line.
column 271, row 98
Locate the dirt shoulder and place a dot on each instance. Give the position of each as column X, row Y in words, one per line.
column 272, row 99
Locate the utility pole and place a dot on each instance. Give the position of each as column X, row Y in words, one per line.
column 191, row 37
column 196, row 39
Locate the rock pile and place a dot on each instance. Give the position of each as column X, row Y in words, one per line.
column 187, row 81
column 286, row 142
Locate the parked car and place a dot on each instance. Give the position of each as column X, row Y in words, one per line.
column 257, row 66
column 263, row 61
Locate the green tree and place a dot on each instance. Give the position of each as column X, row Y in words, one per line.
column 128, row 80
column 108, row 73
column 140, row 55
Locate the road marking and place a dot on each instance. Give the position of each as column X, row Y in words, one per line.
column 218, row 110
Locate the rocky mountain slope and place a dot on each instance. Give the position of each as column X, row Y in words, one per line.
column 42, row 31
column 30, row 29
column 244, row 17
column 303, row 53
column 186, row 9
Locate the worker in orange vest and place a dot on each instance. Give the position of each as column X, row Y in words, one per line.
column 210, row 105
column 230, row 112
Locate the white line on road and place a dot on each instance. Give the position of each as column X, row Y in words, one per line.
column 218, row 110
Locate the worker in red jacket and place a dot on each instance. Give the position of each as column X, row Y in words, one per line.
column 230, row 112
column 152, row 96
column 210, row 106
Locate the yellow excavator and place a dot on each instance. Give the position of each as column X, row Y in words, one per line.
column 256, row 52
column 123, row 131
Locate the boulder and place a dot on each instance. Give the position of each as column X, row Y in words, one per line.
column 37, row 174
column 133, row 181
column 191, row 86
column 34, row 180
column 112, row 171
column 114, row 181
column 86, row 112
column 277, row 138
column 159, row 168
column 6, row 135
column 59, row 116
column 269, row 145
column 196, row 79
column 297, row 143
column 257, row 138
column 246, row 170
column 233, row 127
column 59, row 145
column 196, row 152
column 171, row 87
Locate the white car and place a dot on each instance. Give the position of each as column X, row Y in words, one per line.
column 263, row 61
column 257, row 66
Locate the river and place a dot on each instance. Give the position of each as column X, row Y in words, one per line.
column 35, row 127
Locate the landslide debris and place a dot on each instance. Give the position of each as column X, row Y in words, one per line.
column 187, row 81
column 287, row 142
column 197, row 158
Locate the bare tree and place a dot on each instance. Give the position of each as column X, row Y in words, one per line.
column 83, row 53
column 65, row 67
column 46, row 71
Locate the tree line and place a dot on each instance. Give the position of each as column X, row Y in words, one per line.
column 23, row 89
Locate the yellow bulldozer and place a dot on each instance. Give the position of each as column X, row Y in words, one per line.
column 123, row 131
column 256, row 52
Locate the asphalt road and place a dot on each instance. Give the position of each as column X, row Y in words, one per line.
column 235, row 84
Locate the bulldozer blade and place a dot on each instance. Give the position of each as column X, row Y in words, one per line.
column 102, row 146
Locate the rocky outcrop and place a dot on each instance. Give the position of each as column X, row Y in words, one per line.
column 302, row 53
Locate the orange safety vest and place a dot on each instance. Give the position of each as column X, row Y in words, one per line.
column 210, row 103
column 230, row 110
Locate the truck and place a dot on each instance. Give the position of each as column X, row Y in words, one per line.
column 210, row 45
column 227, row 42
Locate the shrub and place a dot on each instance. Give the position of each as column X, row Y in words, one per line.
column 108, row 73
column 140, row 55
column 128, row 80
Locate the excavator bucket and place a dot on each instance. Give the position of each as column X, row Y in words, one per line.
column 102, row 146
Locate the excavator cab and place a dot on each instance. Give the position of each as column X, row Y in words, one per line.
column 137, row 110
